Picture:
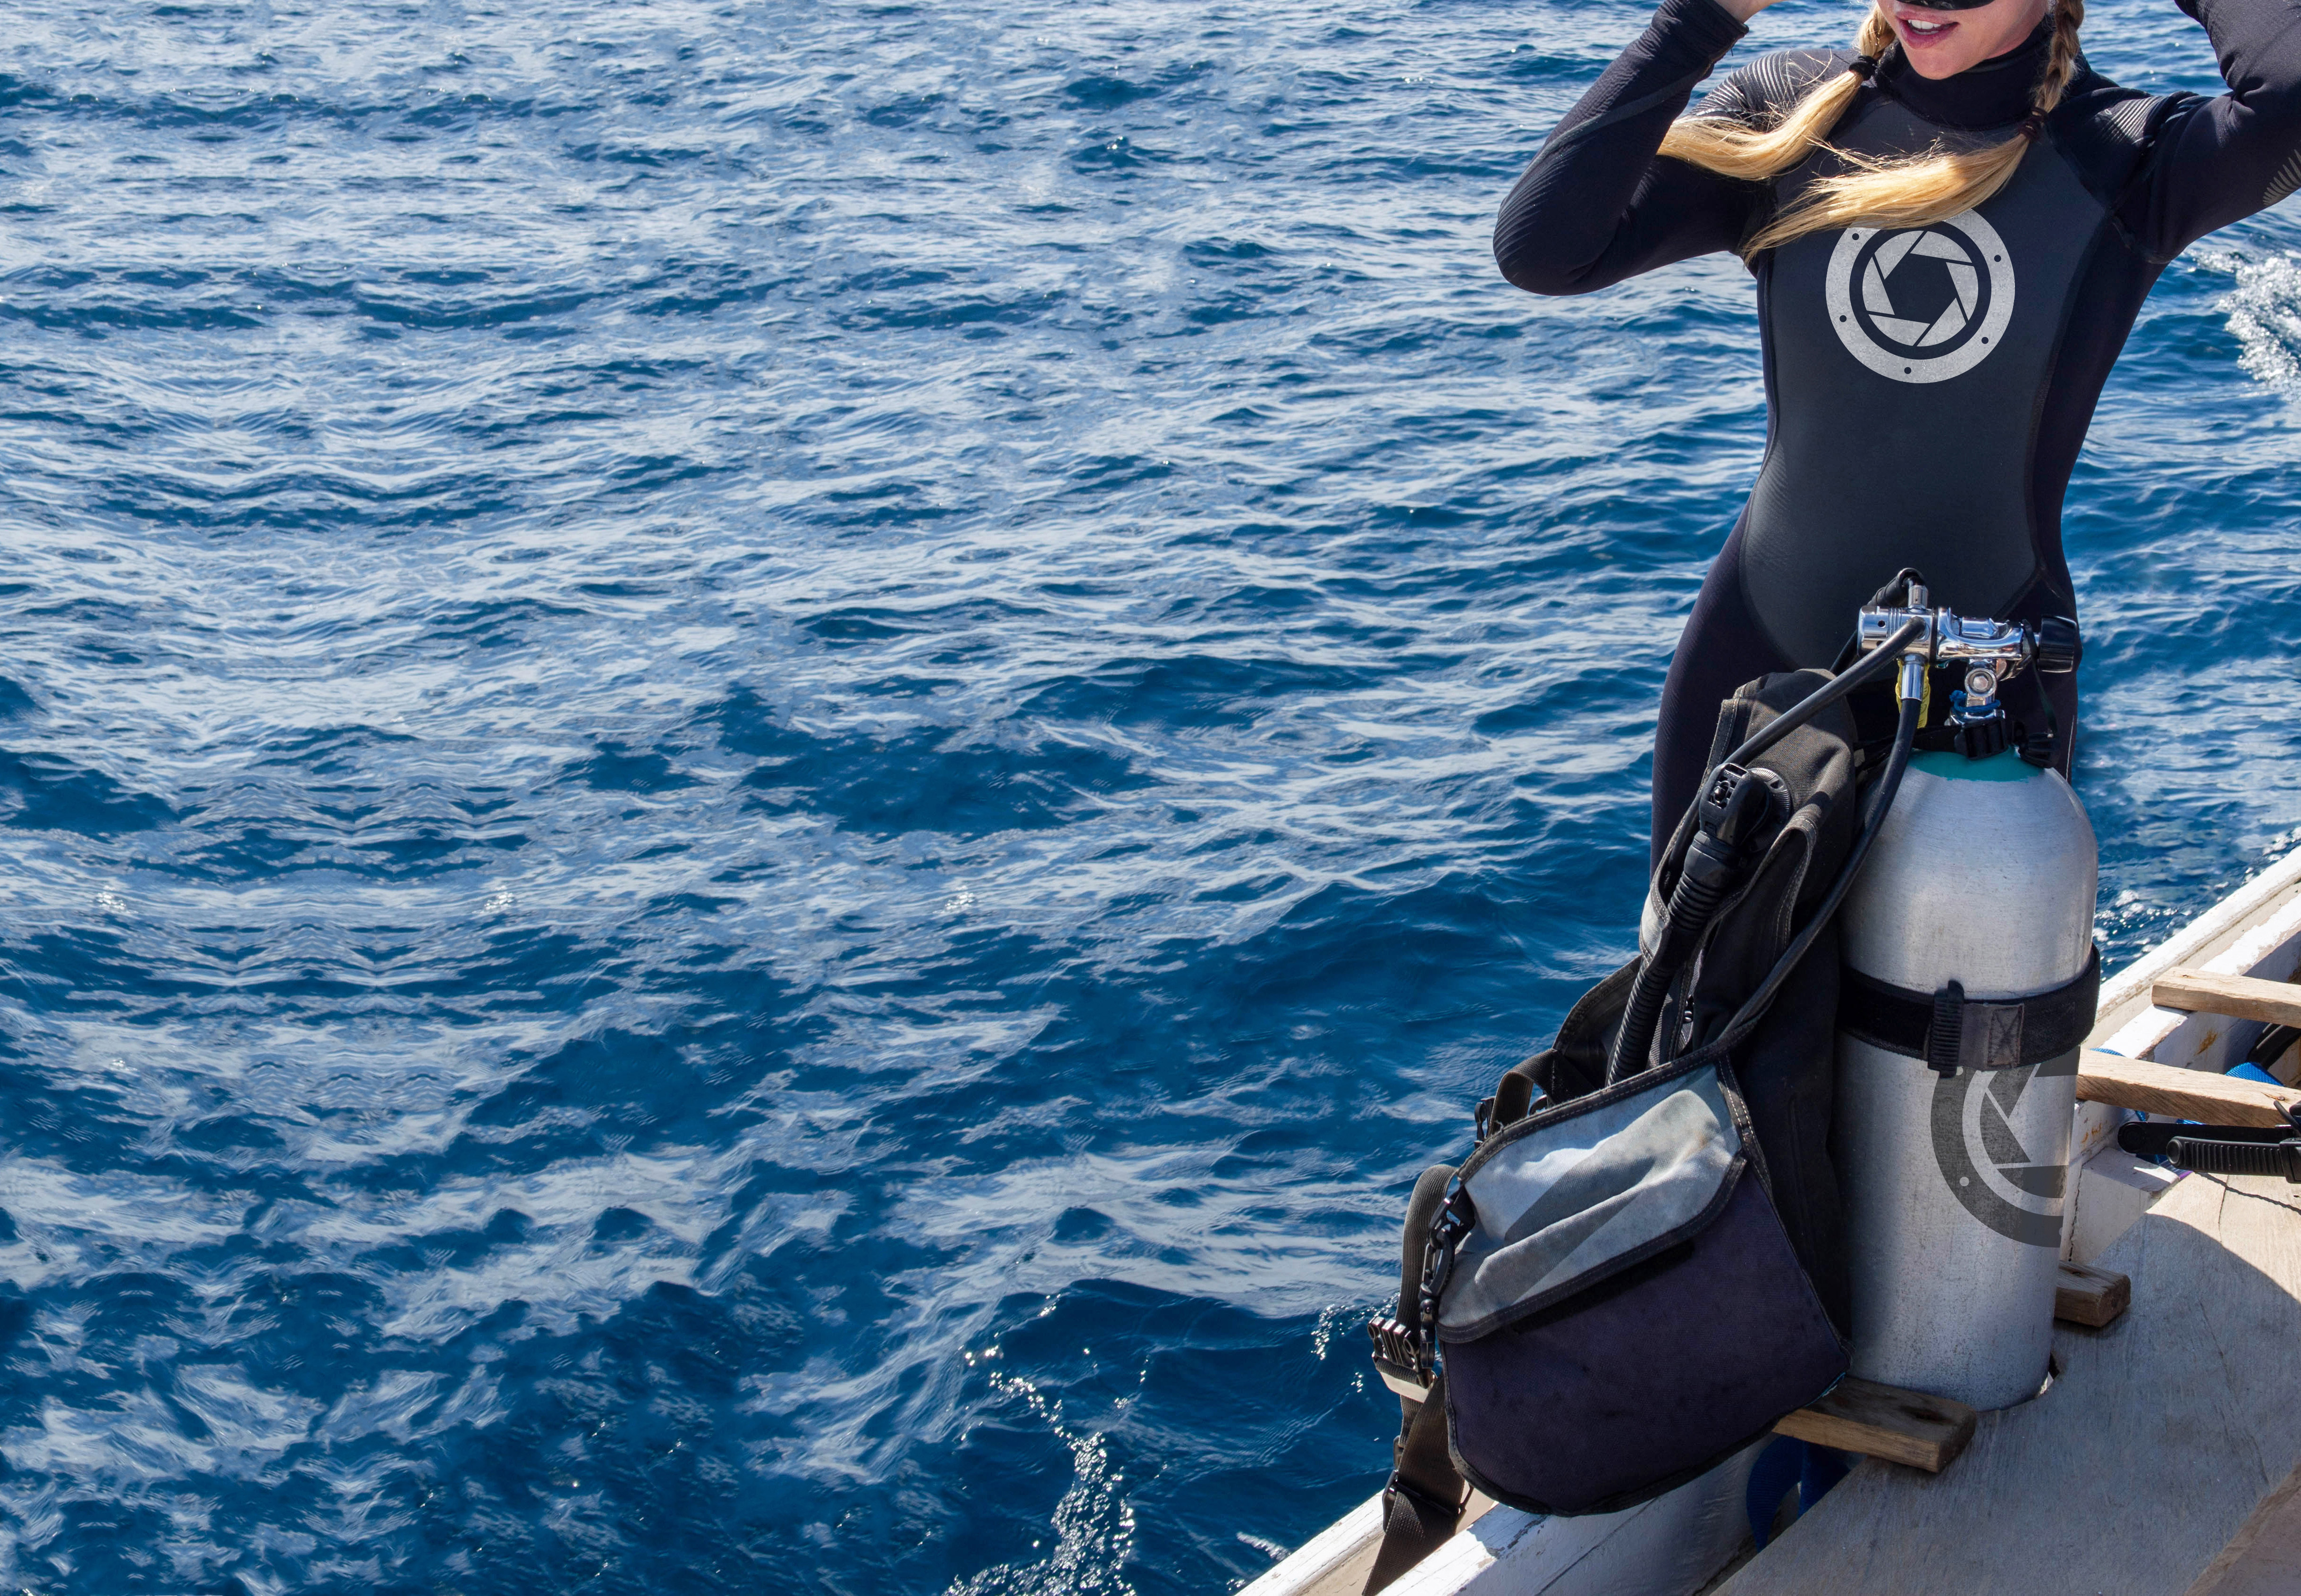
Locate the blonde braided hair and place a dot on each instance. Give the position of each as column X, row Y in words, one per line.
column 1901, row 192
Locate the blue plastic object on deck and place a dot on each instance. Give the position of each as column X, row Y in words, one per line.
column 1785, row 1464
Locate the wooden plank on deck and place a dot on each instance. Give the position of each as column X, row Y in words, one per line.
column 2180, row 1094
column 2239, row 997
column 2091, row 1296
column 2134, row 1470
column 1882, row 1421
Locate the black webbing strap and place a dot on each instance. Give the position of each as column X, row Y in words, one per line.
column 1425, row 1498
column 1424, row 1501
column 1952, row 1032
column 1421, row 1213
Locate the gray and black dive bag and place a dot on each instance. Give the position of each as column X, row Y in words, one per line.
column 1627, row 1282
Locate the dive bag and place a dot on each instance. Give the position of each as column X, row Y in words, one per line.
column 1640, row 1268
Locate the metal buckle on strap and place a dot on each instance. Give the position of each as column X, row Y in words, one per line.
column 1454, row 1221
column 1406, row 1354
column 1397, row 1358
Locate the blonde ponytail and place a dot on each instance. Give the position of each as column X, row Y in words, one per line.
column 1907, row 191
column 1759, row 154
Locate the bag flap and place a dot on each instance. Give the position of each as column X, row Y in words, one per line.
column 1588, row 1190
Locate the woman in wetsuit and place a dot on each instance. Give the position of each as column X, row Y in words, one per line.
column 1953, row 226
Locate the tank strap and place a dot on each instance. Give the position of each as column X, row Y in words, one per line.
column 1952, row 1032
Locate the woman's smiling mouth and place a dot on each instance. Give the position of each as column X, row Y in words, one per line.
column 1919, row 29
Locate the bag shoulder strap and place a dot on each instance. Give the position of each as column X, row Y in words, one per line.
column 1424, row 1501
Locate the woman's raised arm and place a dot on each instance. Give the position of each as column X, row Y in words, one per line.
column 2217, row 161
column 1597, row 207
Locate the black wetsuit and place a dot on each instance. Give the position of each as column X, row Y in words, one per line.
column 1926, row 389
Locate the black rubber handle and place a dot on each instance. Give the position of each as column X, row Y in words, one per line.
column 2237, row 1158
column 2059, row 647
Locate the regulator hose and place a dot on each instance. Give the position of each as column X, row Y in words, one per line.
column 1735, row 806
column 1713, row 864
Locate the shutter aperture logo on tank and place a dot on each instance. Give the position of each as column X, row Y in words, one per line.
column 1922, row 303
column 1981, row 1136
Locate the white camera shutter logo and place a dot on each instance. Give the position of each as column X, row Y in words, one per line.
column 1875, row 329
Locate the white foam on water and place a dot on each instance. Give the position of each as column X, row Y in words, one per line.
column 1094, row 1523
column 2265, row 314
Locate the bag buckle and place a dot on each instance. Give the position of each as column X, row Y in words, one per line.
column 1398, row 1358
column 1455, row 1219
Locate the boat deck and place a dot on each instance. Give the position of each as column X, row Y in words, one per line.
column 2137, row 1464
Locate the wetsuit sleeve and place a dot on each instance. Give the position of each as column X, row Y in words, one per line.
column 1598, row 206
column 2217, row 161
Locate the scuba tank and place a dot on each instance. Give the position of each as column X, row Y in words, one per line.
column 1970, row 981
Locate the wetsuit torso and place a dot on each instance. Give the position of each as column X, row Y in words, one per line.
column 1928, row 389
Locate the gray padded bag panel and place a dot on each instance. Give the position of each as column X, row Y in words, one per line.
column 1560, row 1207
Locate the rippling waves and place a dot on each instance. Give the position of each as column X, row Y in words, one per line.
column 764, row 769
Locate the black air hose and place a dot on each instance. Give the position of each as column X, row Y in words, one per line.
column 1734, row 808
column 2237, row 1157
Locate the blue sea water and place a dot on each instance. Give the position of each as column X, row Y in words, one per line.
column 766, row 769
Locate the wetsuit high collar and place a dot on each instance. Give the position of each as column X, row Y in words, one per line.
column 1992, row 94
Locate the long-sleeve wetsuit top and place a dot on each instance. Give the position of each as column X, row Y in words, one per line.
column 1926, row 388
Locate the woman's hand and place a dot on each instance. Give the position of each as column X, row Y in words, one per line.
column 1741, row 11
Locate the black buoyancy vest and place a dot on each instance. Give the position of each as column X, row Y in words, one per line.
column 1780, row 1076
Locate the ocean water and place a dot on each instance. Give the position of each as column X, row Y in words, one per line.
column 766, row 769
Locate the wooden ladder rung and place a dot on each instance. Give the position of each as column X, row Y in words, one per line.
column 2239, row 997
column 2180, row 1094
column 1883, row 1421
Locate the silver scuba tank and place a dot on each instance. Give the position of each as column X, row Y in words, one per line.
column 1983, row 875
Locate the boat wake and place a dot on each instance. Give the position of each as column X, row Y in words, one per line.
column 2264, row 313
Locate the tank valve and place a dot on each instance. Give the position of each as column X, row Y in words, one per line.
column 1979, row 698
column 2003, row 648
column 1991, row 652
column 1979, row 726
